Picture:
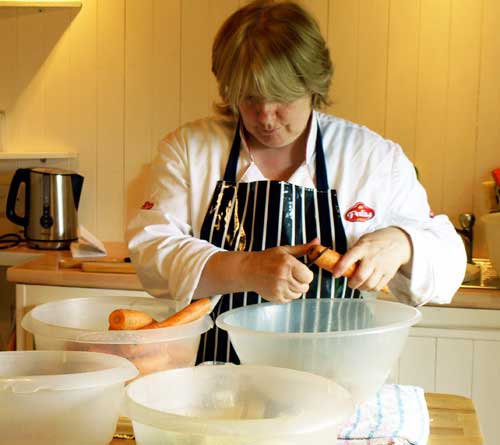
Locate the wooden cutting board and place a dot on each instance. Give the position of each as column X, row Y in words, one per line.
column 105, row 265
column 453, row 421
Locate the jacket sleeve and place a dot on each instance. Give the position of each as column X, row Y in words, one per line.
column 168, row 258
column 439, row 259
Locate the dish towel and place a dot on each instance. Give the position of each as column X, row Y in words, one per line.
column 398, row 415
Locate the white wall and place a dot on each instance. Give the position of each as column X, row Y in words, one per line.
column 110, row 79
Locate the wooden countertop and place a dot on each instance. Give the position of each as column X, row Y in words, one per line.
column 45, row 270
column 453, row 421
column 464, row 298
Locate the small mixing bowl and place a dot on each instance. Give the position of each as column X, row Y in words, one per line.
column 81, row 324
column 61, row 397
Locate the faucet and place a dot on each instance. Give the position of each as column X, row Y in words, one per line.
column 467, row 221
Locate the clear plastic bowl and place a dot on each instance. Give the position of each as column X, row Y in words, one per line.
column 236, row 405
column 81, row 324
column 352, row 341
column 492, row 225
column 61, row 397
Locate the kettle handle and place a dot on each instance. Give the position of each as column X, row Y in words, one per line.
column 77, row 184
column 21, row 175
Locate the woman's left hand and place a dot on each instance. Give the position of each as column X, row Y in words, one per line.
column 380, row 254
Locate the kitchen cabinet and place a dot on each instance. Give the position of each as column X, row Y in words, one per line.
column 457, row 351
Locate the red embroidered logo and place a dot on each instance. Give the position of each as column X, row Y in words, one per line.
column 359, row 212
column 148, row 205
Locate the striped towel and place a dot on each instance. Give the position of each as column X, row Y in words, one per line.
column 398, row 415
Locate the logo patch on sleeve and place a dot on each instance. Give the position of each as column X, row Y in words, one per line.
column 359, row 212
column 148, row 205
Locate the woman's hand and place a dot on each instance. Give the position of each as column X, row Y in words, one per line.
column 276, row 274
column 380, row 255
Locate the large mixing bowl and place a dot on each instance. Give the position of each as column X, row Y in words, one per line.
column 61, row 397
column 352, row 341
column 236, row 405
column 492, row 225
column 81, row 324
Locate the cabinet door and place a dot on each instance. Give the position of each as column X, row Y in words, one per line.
column 486, row 388
column 454, row 366
column 417, row 363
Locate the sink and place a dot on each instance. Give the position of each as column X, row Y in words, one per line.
column 487, row 278
column 15, row 258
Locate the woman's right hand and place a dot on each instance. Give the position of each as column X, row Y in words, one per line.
column 276, row 274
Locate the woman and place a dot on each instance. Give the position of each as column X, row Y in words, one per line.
column 239, row 198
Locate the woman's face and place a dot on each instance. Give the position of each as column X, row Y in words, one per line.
column 273, row 124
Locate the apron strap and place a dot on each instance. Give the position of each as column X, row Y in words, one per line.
column 232, row 163
column 321, row 172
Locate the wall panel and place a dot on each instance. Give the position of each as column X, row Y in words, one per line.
column 372, row 64
column 109, row 80
column 8, row 68
column 26, row 116
column 166, row 69
column 195, row 60
column 432, row 96
column 138, row 113
column 82, row 107
column 343, row 35
column 461, row 124
column 487, row 154
column 110, row 102
column 402, row 69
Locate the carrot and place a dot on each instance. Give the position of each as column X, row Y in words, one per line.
column 147, row 364
column 191, row 312
column 329, row 259
column 128, row 319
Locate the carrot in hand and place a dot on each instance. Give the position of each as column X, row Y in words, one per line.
column 128, row 319
column 192, row 312
column 329, row 259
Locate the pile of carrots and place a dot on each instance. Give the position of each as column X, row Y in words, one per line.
column 132, row 319
column 156, row 356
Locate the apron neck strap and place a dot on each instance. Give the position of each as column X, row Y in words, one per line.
column 321, row 172
column 232, row 162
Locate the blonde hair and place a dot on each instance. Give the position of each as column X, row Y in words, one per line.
column 270, row 50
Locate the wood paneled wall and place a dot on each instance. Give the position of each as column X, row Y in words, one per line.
column 109, row 80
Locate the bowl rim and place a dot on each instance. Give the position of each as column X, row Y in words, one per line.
column 172, row 333
column 417, row 315
column 115, row 369
column 289, row 425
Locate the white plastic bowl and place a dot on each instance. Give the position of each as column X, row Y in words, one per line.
column 61, row 398
column 352, row 341
column 82, row 324
column 236, row 405
column 492, row 226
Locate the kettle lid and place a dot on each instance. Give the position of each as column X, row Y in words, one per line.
column 52, row 171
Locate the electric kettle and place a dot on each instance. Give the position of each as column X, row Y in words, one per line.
column 51, row 197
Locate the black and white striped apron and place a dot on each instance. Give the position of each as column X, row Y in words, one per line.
column 253, row 216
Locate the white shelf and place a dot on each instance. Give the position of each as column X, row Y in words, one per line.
column 40, row 4
column 37, row 155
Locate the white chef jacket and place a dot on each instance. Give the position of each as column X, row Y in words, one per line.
column 362, row 166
